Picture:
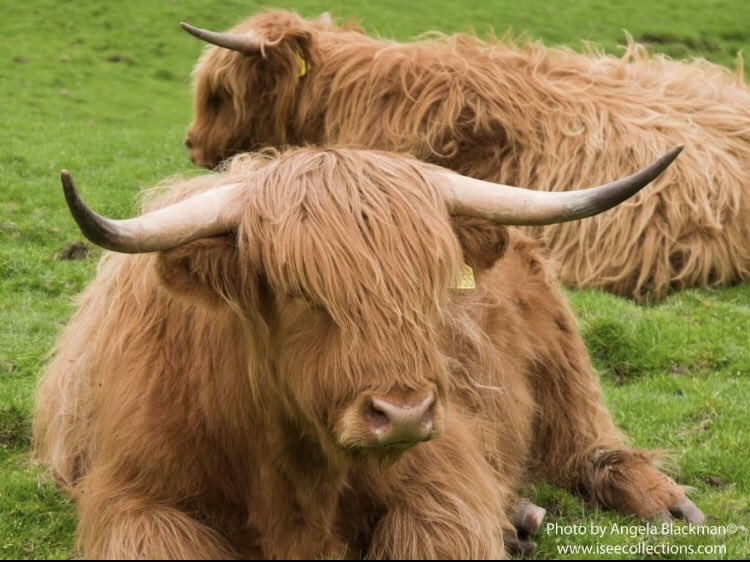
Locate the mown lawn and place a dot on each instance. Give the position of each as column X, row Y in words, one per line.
column 104, row 90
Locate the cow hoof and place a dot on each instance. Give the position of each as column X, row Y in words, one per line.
column 688, row 511
column 520, row 547
column 528, row 517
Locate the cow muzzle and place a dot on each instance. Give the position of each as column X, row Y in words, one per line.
column 396, row 420
column 195, row 154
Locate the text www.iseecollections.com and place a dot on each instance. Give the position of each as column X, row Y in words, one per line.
column 643, row 549
column 649, row 531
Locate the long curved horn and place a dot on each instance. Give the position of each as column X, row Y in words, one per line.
column 206, row 214
column 504, row 204
column 247, row 43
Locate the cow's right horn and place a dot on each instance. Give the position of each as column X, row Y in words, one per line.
column 206, row 214
column 505, row 204
column 247, row 43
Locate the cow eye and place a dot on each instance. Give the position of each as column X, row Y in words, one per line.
column 215, row 100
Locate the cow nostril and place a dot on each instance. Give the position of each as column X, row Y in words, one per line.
column 376, row 418
column 429, row 415
column 188, row 143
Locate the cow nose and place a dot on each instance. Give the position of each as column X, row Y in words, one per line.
column 401, row 421
column 188, row 143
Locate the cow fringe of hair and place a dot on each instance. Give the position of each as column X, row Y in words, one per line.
column 412, row 282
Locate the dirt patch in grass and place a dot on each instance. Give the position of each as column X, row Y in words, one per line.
column 75, row 251
column 701, row 43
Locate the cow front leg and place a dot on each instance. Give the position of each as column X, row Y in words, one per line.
column 576, row 442
column 115, row 525
column 627, row 480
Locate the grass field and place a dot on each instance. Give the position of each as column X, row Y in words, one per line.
column 103, row 89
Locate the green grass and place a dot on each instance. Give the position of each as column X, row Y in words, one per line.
column 104, row 90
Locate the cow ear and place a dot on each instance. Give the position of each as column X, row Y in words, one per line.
column 291, row 52
column 325, row 19
column 204, row 270
column 482, row 241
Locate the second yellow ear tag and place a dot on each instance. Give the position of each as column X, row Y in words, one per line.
column 302, row 64
column 466, row 279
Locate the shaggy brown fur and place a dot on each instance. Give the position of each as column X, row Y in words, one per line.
column 517, row 114
column 194, row 401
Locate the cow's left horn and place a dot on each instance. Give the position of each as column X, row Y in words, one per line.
column 247, row 43
column 206, row 214
column 518, row 206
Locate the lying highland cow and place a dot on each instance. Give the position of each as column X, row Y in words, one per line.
column 261, row 384
column 520, row 115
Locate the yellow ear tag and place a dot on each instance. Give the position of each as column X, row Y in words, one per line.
column 302, row 64
column 466, row 279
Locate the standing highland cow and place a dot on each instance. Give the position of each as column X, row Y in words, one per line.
column 289, row 372
column 516, row 114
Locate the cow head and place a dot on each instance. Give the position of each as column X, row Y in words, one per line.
column 246, row 85
column 340, row 263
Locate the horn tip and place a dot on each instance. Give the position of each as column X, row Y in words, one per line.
column 69, row 188
column 676, row 149
column 669, row 156
column 67, row 180
column 192, row 30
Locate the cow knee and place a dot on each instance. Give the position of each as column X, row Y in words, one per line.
column 628, row 481
column 405, row 534
column 130, row 528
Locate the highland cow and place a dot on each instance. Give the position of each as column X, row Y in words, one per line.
column 519, row 114
column 290, row 372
